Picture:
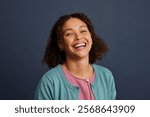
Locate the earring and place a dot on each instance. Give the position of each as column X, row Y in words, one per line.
column 61, row 49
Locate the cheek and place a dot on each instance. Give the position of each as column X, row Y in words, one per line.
column 90, row 38
column 66, row 43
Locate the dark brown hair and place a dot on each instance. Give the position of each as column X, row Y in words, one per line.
column 54, row 55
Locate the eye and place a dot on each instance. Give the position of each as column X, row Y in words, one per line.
column 83, row 31
column 68, row 34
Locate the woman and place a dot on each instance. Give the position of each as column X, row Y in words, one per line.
column 72, row 49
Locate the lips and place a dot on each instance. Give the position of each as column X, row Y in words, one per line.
column 79, row 45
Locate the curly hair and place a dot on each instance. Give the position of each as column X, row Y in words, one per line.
column 54, row 55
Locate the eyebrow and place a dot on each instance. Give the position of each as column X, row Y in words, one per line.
column 82, row 26
column 67, row 30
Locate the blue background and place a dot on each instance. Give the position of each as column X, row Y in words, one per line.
column 24, row 30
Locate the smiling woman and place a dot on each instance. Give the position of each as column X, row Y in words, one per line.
column 76, row 40
column 72, row 49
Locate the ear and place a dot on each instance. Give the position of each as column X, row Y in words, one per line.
column 60, row 44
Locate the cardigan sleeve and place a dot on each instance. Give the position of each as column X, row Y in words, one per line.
column 44, row 89
column 112, row 87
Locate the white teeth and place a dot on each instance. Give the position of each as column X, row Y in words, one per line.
column 79, row 45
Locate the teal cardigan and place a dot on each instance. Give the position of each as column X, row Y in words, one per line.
column 54, row 86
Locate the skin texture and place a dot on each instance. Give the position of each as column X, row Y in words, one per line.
column 76, row 43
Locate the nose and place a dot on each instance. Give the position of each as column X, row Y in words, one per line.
column 78, row 37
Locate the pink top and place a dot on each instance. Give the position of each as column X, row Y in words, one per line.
column 84, row 85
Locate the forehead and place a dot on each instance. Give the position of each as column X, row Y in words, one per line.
column 72, row 23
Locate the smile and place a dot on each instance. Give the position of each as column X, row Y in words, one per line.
column 80, row 45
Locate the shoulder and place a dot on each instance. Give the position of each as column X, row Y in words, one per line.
column 104, row 80
column 52, row 71
column 103, row 73
column 51, row 74
column 101, row 69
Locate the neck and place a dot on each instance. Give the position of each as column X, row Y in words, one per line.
column 81, row 69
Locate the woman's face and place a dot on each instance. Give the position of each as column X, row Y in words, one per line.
column 76, row 40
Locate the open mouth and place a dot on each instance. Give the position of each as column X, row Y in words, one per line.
column 80, row 45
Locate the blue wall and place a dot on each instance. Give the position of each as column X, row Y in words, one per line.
column 24, row 29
